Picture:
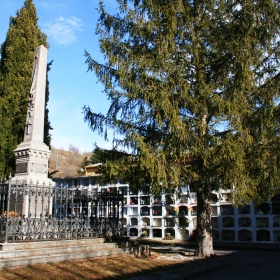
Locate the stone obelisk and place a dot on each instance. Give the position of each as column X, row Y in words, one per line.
column 32, row 155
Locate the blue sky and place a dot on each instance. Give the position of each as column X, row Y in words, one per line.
column 70, row 27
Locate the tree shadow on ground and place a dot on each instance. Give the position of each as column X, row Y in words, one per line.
column 131, row 267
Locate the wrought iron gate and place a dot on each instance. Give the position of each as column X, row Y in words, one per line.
column 40, row 213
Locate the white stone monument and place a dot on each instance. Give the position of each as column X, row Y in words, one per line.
column 32, row 155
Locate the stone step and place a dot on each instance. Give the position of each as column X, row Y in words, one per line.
column 82, row 248
column 24, row 261
column 21, row 254
column 49, row 244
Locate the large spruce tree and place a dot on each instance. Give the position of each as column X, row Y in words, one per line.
column 194, row 91
column 16, row 64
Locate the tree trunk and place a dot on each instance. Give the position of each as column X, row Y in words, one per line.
column 204, row 240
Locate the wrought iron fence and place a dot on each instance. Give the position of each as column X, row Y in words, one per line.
column 38, row 213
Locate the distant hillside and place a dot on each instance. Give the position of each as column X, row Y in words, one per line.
column 66, row 162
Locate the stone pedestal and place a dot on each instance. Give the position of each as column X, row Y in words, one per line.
column 32, row 163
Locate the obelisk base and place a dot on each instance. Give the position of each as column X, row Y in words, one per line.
column 32, row 164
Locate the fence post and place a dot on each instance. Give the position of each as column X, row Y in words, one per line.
column 8, row 208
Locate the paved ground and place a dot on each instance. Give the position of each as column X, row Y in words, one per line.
column 169, row 261
column 241, row 265
column 227, row 265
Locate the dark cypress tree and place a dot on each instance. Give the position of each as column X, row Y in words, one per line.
column 47, row 124
column 194, row 90
column 17, row 57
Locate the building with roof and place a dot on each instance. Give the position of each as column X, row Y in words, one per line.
column 171, row 216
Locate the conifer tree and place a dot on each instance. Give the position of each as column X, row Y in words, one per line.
column 47, row 124
column 16, row 64
column 194, row 91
